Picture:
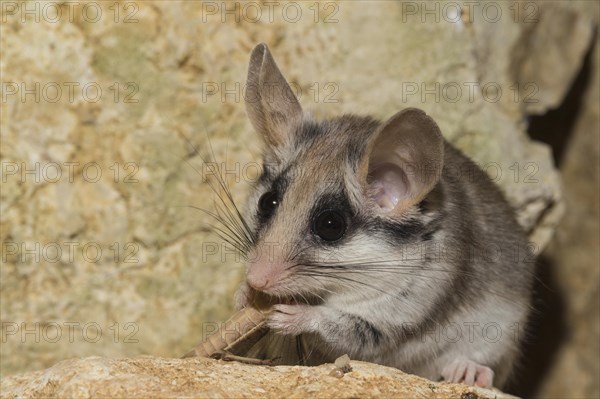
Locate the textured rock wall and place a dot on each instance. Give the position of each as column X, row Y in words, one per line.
column 110, row 258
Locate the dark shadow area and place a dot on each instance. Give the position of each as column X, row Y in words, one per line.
column 544, row 335
column 555, row 126
column 547, row 330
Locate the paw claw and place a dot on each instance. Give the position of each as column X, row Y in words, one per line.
column 241, row 298
column 291, row 319
column 468, row 372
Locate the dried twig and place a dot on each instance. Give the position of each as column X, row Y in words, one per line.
column 230, row 357
column 243, row 329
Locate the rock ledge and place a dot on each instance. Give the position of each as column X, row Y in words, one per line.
column 151, row 377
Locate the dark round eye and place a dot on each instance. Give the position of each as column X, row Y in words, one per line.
column 268, row 202
column 329, row 225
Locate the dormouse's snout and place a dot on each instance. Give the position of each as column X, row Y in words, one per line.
column 265, row 272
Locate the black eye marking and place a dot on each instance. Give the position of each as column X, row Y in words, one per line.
column 329, row 225
column 267, row 204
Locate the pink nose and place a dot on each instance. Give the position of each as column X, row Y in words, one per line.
column 263, row 275
column 258, row 284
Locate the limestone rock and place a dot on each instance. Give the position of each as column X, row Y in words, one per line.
column 149, row 377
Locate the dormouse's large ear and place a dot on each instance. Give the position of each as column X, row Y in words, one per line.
column 271, row 105
column 403, row 161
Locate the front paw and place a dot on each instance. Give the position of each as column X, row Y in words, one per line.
column 242, row 296
column 293, row 319
column 468, row 372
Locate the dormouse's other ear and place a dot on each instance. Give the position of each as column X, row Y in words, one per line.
column 403, row 161
column 271, row 105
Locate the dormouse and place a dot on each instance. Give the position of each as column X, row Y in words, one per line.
column 380, row 240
